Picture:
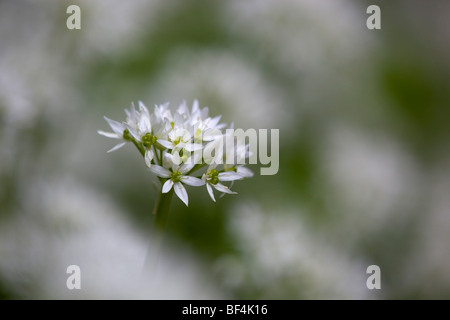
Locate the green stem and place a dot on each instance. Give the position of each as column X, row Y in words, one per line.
column 161, row 213
column 139, row 146
column 158, row 159
column 161, row 210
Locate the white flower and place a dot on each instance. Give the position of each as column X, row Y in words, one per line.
column 146, row 135
column 180, row 138
column 162, row 112
column 213, row 177
column 119, row 128
column 176, row 144
column 176, row 177
column 240, row 170
column 181, row 144
column 204, row 128
column 133, row 117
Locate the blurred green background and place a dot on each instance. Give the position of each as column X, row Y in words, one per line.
column 364, row 149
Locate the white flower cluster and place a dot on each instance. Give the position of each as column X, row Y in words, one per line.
column 175, row 145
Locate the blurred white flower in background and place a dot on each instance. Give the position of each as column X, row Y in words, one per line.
column 33, row 80
column 372, row 177
column 233, row 82
column 286, row 258
column 115, row 25
column 427, row 271
column 319, row 44
column 69, row 223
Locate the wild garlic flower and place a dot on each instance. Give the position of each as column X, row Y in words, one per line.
column 176, row 176
column 213, row 177
column 118, row 133
column 181, row 147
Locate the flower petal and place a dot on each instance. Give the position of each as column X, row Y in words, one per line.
column 185, row 168
column 133, row 132
column 144, row 124
column 192, row 181
column 244, row 172
column 149, row 154
column 167, row 186
column 165, row 143
column 167, row 160
column 143, row 109
column 117, row 146
column 176, row 160
column 183, row 109
column 195, row 107
column 181, row 192
column 220, row 187
column 204, row 112
column 196, row 157
column 109, row 134
column 211, row 134
column 221, row 126
column 213, row 152
column 229, row 176
column 179, row 118
column 214, row 121
column 115, row 125
column 210, row 191
column 160, row 171
column 131, row 113
column 193, row 146
column 223, row 194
